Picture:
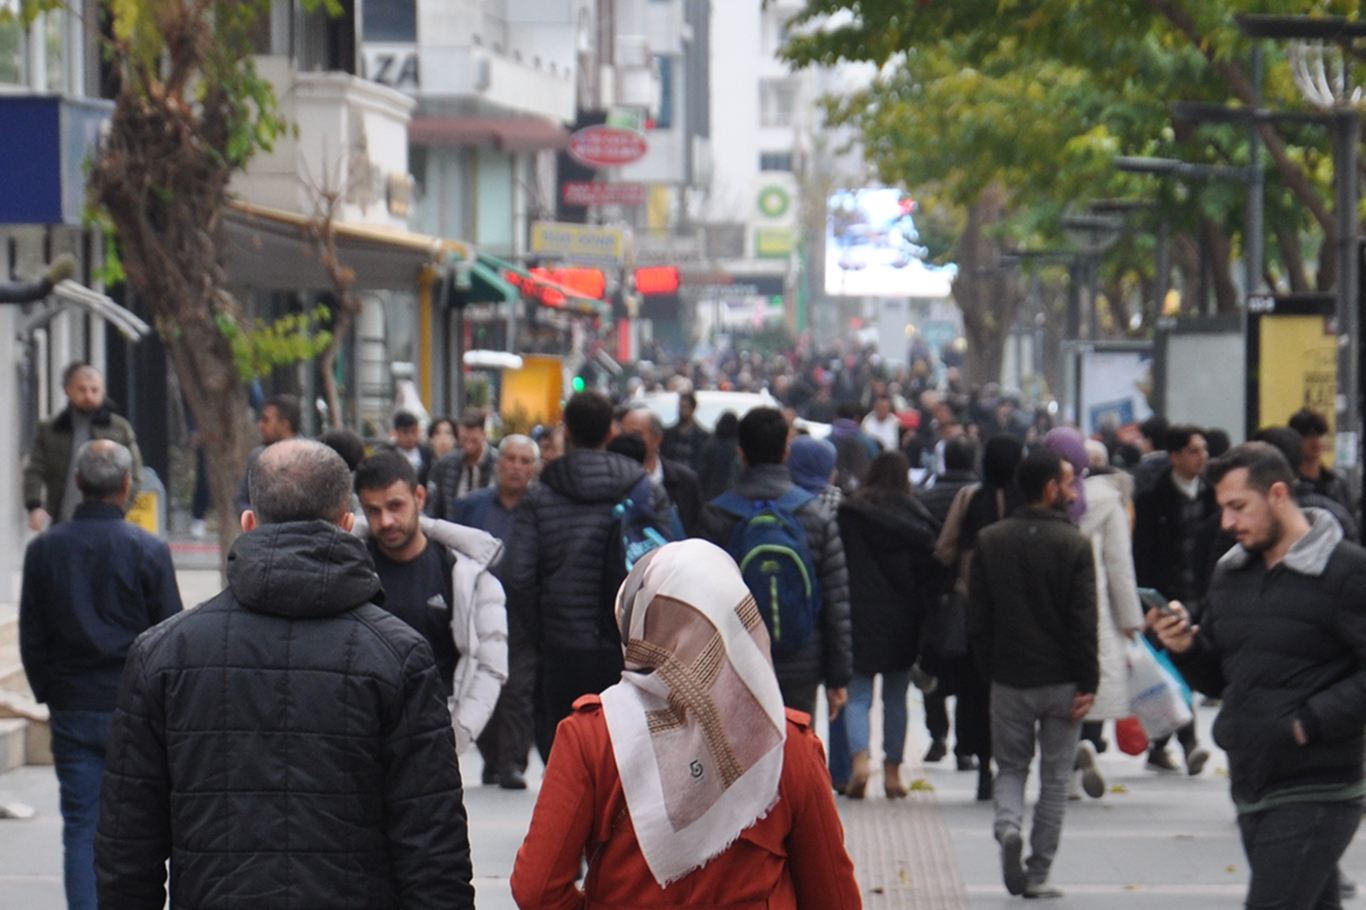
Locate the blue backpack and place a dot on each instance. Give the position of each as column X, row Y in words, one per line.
column 771, row 549
column 636, row 530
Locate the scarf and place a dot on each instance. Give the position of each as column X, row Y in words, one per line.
column 696, row 723
column 810, row 461
column 1071, row 446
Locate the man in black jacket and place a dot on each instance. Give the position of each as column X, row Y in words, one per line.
column 1173, row 538
column 828, row 657
column 1282, row 641
column 286, row 744
column 1032, row 621
column 556, row 572
column 91, row 585
column 678, row 479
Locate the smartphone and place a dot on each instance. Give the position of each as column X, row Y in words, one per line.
column 1153, row 599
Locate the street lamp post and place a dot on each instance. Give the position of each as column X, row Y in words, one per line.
column 1322, row 77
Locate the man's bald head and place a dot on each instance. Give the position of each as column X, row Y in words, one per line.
column 299, row 480
column 104, row 470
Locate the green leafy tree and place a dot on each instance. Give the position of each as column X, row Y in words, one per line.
column 1017, row 109
column 190, row 112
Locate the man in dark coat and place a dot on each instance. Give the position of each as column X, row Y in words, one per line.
column 1281, row 641
column 1173, row 538
column 1032, row 619
column 828, row 657
column 683, row 442
column 472, row 466
column 678, row 479
column 287, row 743
column 1313, row 429
column 407, row 441
column 50, row 493
column 556, row 572
column 91, row 585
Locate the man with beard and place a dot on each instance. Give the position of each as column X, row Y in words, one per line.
column 1283, row 642
column 1032, row 621
column 436, row 578
column 50, row 491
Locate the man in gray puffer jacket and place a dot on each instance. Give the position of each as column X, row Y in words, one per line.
column 828, row 657
column 555, row 571
column 287, row 743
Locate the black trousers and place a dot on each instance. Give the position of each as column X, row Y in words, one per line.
column 506, row 740
column 1294, row 851
column 565, row 675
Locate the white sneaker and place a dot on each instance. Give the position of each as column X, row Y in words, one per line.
column 197, row 528
column 1091, row 781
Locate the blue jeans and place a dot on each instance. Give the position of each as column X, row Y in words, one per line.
column 79, row 740
column 893, row 714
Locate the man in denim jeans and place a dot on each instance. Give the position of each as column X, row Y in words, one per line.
column 1032, row 621
column 91, row 586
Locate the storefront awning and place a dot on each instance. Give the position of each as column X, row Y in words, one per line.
column 486, row 286
column 511, row 134
column 272, row 249
column 546, row 292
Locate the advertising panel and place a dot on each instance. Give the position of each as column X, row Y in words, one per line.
column 871, row 248
column 1292, row 360
column 1115, row 385
column 576, row 242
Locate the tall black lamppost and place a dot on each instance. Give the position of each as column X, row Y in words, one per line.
column 1319, row 62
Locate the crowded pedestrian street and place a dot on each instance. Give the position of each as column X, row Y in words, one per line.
column 1153, row 841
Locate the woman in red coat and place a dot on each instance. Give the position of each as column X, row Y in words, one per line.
column 687, row 784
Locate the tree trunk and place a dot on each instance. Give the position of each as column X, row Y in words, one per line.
column 163, row 184
column 987, row 292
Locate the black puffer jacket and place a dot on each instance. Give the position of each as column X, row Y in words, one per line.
column 553, row 571
column 893, row 578
column 828, row 657
column 1283, row 644
column 287, row 744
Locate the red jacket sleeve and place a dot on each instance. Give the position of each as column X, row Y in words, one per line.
column 543, row 876
column 821, row 869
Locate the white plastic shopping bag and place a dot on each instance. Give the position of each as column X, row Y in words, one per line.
column 1157, row 694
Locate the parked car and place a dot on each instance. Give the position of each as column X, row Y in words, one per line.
column 712, row 404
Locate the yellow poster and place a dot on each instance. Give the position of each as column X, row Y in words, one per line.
column 1298, row 369
column 144, row 512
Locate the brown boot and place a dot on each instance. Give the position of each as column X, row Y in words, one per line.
column 891, row 780
column 858, row 780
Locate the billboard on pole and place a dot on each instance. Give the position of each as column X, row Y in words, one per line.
column 871, row 248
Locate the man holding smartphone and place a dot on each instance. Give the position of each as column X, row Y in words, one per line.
column 1283, row 643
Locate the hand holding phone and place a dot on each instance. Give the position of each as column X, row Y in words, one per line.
column 1153, row 600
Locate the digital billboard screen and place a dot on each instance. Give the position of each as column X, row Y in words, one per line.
column 871, row 248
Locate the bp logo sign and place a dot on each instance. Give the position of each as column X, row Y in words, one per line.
column 774, row 201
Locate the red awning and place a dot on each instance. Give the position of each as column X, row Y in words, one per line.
column 513, row 134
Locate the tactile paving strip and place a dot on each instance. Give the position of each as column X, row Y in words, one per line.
column 901, row 850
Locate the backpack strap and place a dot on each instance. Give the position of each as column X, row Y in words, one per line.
column 794, row 499
column 734, row 504
column 639, row 492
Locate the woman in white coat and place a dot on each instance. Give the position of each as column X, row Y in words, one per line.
column 1102, row 516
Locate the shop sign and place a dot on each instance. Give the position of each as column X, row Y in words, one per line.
column 576, row 242
column 582, row 192
column 607, row 146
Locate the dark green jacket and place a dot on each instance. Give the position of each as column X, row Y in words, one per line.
column 49, row 457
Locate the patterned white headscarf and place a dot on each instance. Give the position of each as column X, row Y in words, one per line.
column 697, row 722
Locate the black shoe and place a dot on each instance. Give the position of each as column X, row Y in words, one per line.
column 489, row 777
column 967, row 762
column 1195, row 760
column 1160, row 760
column 983, row 784
column 1012, row 870
column 1346, row 887
column 937, row 751
column 511, row 780
column 1101, row 744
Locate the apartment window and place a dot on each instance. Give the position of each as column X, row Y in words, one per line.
column 777, row 102
column 775, row 161
column 390, row 20
column 665, row 120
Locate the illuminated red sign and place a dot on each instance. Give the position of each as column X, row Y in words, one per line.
column 607, row 146
column 588, row 282
column 660, row 279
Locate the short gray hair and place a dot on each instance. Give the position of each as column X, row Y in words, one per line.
column 299, row 480
column 517, row 439
column 101, row 466
column 656, row 425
